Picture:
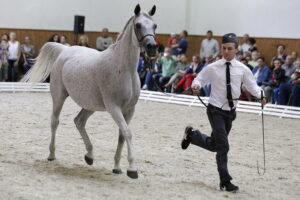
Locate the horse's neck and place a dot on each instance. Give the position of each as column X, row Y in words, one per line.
column 128, row 49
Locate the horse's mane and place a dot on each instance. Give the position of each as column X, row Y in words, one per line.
column 122, row 33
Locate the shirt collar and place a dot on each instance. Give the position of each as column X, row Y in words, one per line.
column 223, row 61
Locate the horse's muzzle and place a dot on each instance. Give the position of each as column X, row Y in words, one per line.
column 151, row 49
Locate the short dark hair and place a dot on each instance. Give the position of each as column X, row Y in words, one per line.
column 279, row 59
column 262, row 58
column 252, row 40
column 185, row 33
column 244, row 59
column 278, row 45
column 209, row 31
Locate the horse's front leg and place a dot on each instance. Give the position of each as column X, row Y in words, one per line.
column 117, row 169
column 118, row 117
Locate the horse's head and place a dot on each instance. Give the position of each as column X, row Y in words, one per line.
column 144, row 28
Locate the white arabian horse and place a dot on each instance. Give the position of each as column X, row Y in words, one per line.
column 98, row 81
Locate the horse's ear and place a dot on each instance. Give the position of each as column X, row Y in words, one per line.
column 152, row 11
column 137, row 9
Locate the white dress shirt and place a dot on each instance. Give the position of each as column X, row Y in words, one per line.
column 215, row 74
column 209, row 47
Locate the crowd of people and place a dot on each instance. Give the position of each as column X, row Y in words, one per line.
column 171, row 70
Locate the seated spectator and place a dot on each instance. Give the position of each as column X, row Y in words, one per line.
column 280, row 52
column 244, row 47
column 294, row 55
column 252, row 44
column 180, row 71
column 14, row 50
column 291, row 91
column 83, row 41
column 28, row 52
column 171, row 39
column 3, row 59
column 150, row 72
column 191, row 72
column 288, row 66
column 143, row 65
column 54, row 38
column 63, row 40
column 276, row 77
column 261, row 71
column 254, row 56
column 209, row 46
column 104, row 41
column 182, row 45
column 168, row 64
column 174, row 43
column 207, row 87
column 245, row 62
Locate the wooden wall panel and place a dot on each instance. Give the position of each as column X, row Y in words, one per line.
column 267, row 46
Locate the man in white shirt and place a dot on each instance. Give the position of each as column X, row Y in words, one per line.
column 104, row 41
column 209, row 46
column 225, row 76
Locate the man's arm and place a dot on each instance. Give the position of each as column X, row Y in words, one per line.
column 250, row 84
column 201, row 80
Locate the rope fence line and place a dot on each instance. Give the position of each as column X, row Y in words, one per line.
column 179, row 99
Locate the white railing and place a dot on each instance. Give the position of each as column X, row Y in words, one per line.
column 188, row 100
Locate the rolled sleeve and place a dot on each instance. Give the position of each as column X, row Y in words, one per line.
column 251, row 85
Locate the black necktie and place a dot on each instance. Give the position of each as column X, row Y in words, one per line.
column 228, row 86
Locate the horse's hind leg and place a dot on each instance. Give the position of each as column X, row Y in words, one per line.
column 117, row 169
column 80, row 121
column 58, row 99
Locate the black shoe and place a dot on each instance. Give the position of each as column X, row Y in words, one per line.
column 186, row 137
column 228, row 186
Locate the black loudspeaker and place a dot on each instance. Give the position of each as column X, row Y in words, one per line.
column 79, row 24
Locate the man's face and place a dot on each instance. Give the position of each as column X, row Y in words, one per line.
column 105, row 32
column 289, row 60
column 167, row 51
column 260, row 62
column 229, row 50
column 254, row 55
column 209, row 35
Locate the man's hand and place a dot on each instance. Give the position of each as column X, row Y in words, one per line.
column 263, row 101
column 196, row 89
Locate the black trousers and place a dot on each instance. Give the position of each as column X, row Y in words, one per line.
column 221, row 122
column 12, row 71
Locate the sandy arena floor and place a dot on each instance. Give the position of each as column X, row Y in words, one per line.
column 165, row 171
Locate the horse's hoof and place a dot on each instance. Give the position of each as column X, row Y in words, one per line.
column 50, row 159
column 117, row 171
column 132, row 174
column 88, row 160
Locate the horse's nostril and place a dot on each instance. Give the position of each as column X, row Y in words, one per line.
column 151, row 46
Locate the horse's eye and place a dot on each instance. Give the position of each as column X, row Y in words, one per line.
column 138, row 26
column 154, row 26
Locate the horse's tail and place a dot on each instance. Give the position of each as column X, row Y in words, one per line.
column 44, row 63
